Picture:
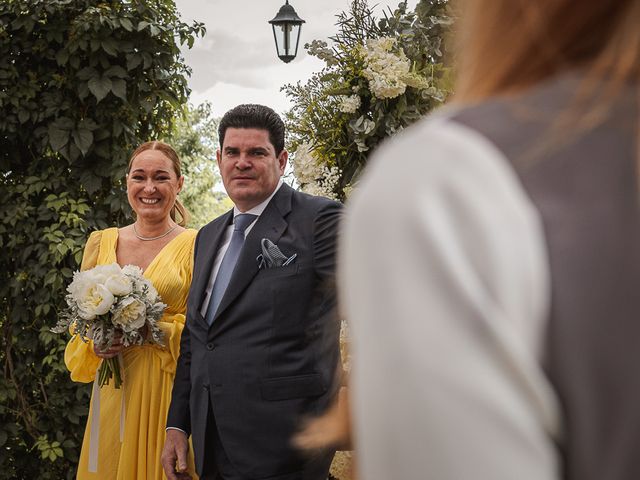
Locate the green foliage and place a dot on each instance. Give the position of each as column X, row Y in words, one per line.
column 380, row 76
column 195, row 138
column 81, row 83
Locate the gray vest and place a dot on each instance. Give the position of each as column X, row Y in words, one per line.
column 584, row 183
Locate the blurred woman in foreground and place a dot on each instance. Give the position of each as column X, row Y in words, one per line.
column 495, row 330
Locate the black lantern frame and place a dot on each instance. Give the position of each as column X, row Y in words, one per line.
column 286, row 25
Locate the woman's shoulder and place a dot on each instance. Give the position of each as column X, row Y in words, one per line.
column 97, row 241
column 98, row 234
column 189, row 235
column 97, row 237
column 184, row 241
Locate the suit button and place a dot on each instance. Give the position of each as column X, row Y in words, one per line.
column 210, row 346
column 205, row 387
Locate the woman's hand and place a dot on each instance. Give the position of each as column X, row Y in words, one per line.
column 115, row 348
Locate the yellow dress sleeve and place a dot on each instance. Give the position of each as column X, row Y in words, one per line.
column 79, row 356
column 171, row 326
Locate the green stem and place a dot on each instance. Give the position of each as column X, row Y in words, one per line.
column 110, row 368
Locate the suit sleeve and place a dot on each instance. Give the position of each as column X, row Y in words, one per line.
column 179, row 415
column 325, row 240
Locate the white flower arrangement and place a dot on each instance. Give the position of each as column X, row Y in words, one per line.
column 107, row 303
column 380, row 75
column 324, row 184
column 315, row 178
column 385, row 69
column 305, row 165
column 388, row 68
column 349, row 103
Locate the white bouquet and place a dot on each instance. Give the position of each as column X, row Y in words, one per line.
column 107, row 303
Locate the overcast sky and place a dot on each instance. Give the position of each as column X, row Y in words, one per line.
column 236, row 61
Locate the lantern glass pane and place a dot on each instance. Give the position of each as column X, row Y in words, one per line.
column 282, row 34
column 294, row 37
column 286, row 36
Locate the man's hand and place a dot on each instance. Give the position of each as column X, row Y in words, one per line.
column 174, row 455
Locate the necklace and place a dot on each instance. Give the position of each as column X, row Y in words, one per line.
column 148, row 239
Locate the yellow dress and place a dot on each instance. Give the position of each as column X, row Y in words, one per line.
column 148, row 370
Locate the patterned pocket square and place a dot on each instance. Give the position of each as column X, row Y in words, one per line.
column 272, row 257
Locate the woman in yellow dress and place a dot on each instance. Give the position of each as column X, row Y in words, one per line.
column 126, row 427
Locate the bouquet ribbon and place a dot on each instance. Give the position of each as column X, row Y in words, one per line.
column 94, row 432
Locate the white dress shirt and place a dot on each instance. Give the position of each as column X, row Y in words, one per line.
column 444, row 280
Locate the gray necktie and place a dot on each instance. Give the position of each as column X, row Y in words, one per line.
column 241, row 222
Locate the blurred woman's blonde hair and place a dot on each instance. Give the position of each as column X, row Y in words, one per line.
column 504, row 46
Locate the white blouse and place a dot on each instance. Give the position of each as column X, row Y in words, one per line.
column 444, row 280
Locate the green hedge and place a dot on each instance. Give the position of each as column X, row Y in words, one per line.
column 81, row 83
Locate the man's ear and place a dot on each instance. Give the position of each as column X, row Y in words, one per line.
column 282, row 160
column 218, row 157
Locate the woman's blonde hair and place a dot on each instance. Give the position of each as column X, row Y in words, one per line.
column 508, row 45
column 168, row 151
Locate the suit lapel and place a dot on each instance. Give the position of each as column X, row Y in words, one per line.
column 271, row 225
column 208, row 248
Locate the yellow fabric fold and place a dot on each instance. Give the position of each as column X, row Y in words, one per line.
column 80, row 360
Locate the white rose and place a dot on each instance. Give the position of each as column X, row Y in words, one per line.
column 102, row 272
column 119, row 284
column 152, row 294
column 81, row 282
column 132, row 270
column 95, row 299
column 130, row 314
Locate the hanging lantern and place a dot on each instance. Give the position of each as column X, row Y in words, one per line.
column 286, row 32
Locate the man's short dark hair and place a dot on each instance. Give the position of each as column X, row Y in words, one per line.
column 254, row 116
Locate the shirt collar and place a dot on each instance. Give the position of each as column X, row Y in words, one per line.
column 258, row 209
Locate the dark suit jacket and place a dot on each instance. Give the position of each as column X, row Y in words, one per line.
column 271, row 356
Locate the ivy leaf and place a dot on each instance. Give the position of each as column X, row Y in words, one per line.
column 83, row 139
column 64, row 123
column 90, row 181
column 126, row 24
column 133, row 60
column 100, row 87
column 88, row 123
column 119, row 88
column 87, row 73
column 62, row 57
column 23, row 115
column 116, row 71
column 58, row 138
column 109, row 46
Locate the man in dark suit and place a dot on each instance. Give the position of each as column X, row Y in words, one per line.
column 260, row 350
